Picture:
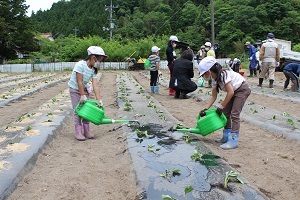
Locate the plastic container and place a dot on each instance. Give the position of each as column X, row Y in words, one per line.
column 91, row 111
column 200, row 82
column 210, row 123
column 147, row 63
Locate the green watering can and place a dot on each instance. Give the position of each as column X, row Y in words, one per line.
column 207, row 124
column 147, row 63
column 93, row 112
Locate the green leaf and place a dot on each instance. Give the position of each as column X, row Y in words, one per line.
column 188, row 189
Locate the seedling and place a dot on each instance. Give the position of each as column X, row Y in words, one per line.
column 291, row 122
column 141, row 134
column 232, row 175
column 49, row 120
column 253, row 111
column 187, row 190
column 167, row 197
column 28, row 128
column 186, row 138
column 286, row 114
column 48, row 114
column 54, row 100
column 197, row 156
column 152, row 149
column 169, row 173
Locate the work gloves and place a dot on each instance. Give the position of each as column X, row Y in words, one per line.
column 83, row 99
column 219, row 111
column 202, row 112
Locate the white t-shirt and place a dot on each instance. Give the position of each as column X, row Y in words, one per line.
column 87, row 73
column 233, row 77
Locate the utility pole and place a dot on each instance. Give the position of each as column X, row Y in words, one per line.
column 212, row 14
column 75, row 31
column 111, row 24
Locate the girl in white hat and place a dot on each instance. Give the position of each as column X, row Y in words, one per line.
column 84, row 71
column 237, row 91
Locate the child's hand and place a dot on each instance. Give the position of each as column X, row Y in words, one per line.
column 219, row 111
column 83, row 98
column 202, row 112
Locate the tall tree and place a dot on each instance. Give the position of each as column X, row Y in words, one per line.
column 16, row 31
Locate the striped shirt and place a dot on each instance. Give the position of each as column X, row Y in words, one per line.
column 153, row 60
column 87, row 74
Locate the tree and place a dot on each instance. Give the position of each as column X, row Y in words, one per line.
column 16, row 31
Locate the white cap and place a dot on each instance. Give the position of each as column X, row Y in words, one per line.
column 174, row 38
column 247, row 43
column 208, row 44
column 95, row 50
column 205, row 64
column 235, row 59
column 155, row 49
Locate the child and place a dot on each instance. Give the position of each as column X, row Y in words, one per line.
column 154, row 68
column 83, row 72
column 237, row 93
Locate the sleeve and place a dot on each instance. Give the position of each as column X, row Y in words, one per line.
column 78, row 68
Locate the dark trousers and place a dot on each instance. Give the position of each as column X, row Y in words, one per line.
column 153, row 78
column 291, row 76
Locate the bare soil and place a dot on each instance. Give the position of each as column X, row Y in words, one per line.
column 101, row 168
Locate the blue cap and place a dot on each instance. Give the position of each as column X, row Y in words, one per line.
column 271, row 35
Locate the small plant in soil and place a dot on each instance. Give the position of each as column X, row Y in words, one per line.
column 232, row 175
column 197, row 156
column 187, row 190
column 169, row 173
column 292, row 123
column 186, row 138
column 253, row 111
column 151, row 148
column 141, row 134
column 54, row 100
column 28, row 128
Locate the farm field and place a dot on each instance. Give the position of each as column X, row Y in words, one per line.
column 67, row 169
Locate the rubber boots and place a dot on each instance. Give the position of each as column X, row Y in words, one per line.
column 171, row 92
column 86, row 130
column 156, row 89
column 261, row 80
column 232, row 143
column 152, row 89
column 271, row 83
column 251, row 73
column 224, row 139
column 78, row 133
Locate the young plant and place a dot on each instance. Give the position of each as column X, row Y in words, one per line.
column 232, row 175
column 152, row 149
column 28, row 128
column 197, row 156
column 292, row 123
column 167, row 197
column 169, row 173
column 187, row 190
column 186, row 138
column 141, row 134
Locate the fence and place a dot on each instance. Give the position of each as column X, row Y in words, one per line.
column 61, row 66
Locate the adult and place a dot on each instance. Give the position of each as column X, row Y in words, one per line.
column 252, row 59
column 182, row 73
column 269, row 54
column 236, row 63
column 200, row 54
column 208, row 50
column 237, row 91
column 291, row 72
column 171, row 56
column 84, row 71
column 258, row 62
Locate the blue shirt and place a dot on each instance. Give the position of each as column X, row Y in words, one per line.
column 87, row 74
column 293, row 67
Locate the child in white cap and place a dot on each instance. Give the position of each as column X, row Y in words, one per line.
column 237, row 91
column 154, row 69
column 84, row 71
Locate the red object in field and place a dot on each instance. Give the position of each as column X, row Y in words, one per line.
column 241, row 73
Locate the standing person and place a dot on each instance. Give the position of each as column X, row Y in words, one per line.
column 258, row 62
column 171, row 56
column 182, row 73
column 252, row 59
column 237, row 91
column 83, row 72
column 270, row 56
column 236, row 63
column 200, row 54
column 154, row 68
column 291, row 72
column 208, row 50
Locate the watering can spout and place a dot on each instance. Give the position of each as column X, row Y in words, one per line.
column 189, row 130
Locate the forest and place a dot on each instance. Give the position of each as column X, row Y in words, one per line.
column 138, row 24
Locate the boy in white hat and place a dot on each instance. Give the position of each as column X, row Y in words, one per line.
column 154, row 68
column 237, row 91
column 84, row 71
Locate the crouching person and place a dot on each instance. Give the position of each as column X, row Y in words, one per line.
column 183, row 71
column 237, row 91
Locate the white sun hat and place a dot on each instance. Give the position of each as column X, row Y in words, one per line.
column 174, row 38
column 205, row 64
column 95, row 50
column 208, row 44
column 155, row 49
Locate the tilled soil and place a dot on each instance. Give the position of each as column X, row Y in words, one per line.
column 101, row 168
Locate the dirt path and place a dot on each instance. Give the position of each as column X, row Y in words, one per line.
column 101, row 168
column 266, row 159
column 93, row 169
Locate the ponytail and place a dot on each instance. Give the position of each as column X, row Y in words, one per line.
column 217, row 69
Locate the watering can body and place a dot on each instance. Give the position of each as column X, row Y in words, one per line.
column 92, row 111
column 211, row 122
